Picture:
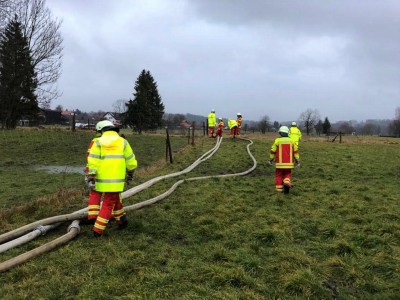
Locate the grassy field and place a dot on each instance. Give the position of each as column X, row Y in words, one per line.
column 335, row 236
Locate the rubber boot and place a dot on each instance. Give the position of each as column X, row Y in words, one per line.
column 122, row 223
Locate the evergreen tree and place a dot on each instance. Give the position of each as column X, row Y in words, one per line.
column 318, row 127
column 17, row 77
column 146, row 110
column 326, row 126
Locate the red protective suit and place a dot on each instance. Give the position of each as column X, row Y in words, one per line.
column 285, row 153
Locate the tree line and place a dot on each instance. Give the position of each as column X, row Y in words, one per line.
column 310, row 122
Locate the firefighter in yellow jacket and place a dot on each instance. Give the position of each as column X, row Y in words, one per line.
column 295, row 133
column 212, row 122
column 232, row 124
column 111, row 163
column 286, row 154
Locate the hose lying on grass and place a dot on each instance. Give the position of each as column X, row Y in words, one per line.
column 81, row 214
column 73, row 231
column 41, row 230
column 75, row 225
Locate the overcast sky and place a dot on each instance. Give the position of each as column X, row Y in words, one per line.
column 256, row 57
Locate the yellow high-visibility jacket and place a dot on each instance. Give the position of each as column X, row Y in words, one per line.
column 109, row 158
column 232, row 123
column 212, row 120
column 285, row 152
column 295, row 134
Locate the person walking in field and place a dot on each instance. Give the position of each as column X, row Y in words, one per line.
column 111, row 163
column 232, row 124
column 295, row 133
column 220, row 127
column 94, row 200
column 212, row 122
column 286, row 154
column 239, row 121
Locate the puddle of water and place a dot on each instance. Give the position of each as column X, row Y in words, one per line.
column 61, row 169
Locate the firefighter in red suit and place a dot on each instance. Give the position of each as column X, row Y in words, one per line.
column 94, row 200
column 220, row 127
column 286, row 154
column 111, row 163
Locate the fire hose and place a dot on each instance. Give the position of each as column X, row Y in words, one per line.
column 73, row 229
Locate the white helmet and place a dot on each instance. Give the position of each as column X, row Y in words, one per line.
column 284, row 129
column 220, row 118
column 213, row 110
column 239, row 114
column 103, row 124
column 294, row 124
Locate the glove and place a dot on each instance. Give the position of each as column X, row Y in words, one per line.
column 91, row 179
column 129, row 177
column 297, row 163
column 270, row 162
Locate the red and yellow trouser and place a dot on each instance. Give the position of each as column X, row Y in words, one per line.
column 210, row 130
column 94, row 206
column 282, row 177
column 233, row 130
column 111, row 206
column 238, row 131
column 219, row 132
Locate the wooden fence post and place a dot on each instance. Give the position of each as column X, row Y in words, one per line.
column 168, row 150
column 73, row 128
column 193, row 128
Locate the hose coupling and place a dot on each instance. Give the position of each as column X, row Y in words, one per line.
column 74, row 224
column 42, row 229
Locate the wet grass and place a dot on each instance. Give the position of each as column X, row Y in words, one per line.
column 335, row 236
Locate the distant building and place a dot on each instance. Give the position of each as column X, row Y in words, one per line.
column 113, row 117
column 67, row 113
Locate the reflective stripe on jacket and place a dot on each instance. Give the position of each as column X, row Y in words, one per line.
column 285, row 151
column 109, row 158
column 295, row 134
column 212, row 120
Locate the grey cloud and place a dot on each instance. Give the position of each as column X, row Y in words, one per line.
column 257, row 57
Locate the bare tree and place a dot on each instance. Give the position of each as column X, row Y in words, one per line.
column 45, row 43
column 394, row 126
column 264, row 125
column 370, row 129
column 309, row 118
column 346, row 127
column 5, row 8
column 119, row 106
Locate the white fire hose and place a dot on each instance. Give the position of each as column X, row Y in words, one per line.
column 73, row 230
